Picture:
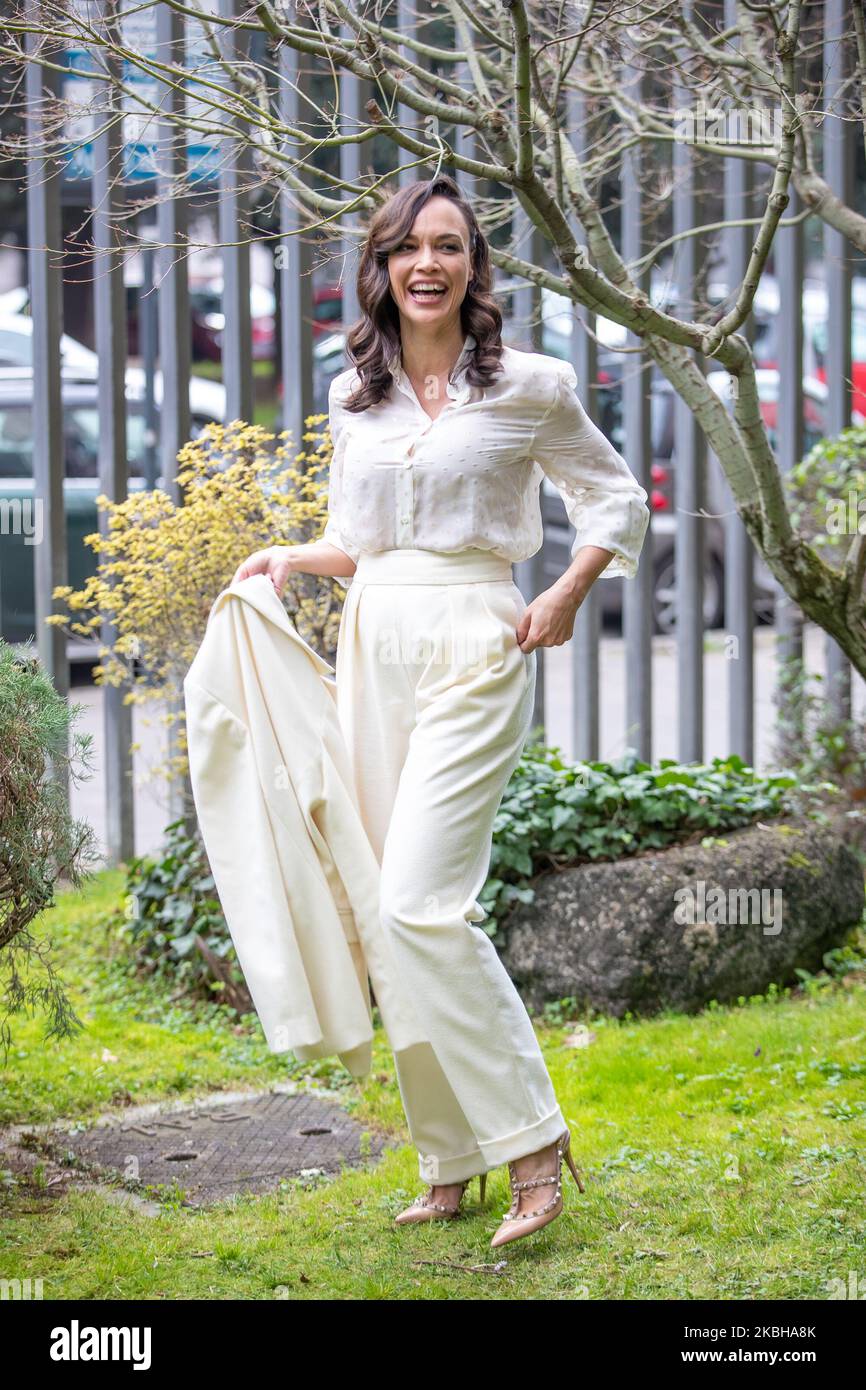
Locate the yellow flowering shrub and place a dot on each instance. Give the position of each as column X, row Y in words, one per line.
column 161, row 565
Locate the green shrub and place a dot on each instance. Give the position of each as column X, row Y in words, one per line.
column 175, row 925
column 812, row 738
column 40, row 843
column 825, row 491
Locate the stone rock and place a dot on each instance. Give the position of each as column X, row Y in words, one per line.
column 678, row 927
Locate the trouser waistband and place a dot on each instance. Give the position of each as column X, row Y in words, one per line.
column 431, row 567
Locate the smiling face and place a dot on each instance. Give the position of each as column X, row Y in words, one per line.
column 436, row 252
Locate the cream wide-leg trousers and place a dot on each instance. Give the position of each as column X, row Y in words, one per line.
column 435, row 701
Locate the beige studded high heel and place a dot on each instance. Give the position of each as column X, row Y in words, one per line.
column 423, row 1209
column 516, row 1223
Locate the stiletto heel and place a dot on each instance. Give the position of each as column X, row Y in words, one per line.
column 517, row 1223
column 570, row 1161
column 423, row 1209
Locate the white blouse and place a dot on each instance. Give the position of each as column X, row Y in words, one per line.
column 471, row 477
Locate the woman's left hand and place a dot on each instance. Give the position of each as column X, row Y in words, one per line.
column 548, row 621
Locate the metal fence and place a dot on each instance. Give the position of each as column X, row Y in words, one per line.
column 692, row 463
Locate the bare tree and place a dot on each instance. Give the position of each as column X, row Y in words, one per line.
column 504, row 70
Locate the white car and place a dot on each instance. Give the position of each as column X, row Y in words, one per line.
column 79, row 363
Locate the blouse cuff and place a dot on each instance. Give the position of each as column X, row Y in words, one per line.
column 620, row 567
column 331, row 534
column 625, row 539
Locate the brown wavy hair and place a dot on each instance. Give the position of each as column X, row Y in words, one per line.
column 372, row 341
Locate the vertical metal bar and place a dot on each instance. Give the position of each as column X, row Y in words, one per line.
column 172, row 224
column 528, row 243
column 587, row 625
column 464, row 139
column 296, row 279
column 45, row 247
column 689, row 472
column 407, row 119
column 111, row 348
column 234, row 196
column 739, row 553
column 148, row 332
column 174, row 317
column 838, row 168
column 636, row 388
column 351, row 122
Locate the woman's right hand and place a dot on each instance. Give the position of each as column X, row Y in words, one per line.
column 273, row 562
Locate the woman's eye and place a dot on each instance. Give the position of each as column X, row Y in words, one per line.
column 449, row 246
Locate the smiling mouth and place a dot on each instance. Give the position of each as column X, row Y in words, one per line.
column 426, row 296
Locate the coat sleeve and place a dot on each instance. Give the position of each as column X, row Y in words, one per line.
column 334, row 529
column 604, row 502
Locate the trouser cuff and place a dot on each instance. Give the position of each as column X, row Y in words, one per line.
column 492, row 1153
column 441, row 1172
column 524, row 1141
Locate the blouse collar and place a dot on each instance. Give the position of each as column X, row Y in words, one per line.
column 458, row 388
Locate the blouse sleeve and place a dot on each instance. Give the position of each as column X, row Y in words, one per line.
column 333, row 533
column 604, row 502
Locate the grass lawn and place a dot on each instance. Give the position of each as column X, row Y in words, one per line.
column 723, row 1155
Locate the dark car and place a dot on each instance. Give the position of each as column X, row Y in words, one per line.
column 20, row 515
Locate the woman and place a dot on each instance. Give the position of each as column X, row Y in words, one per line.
column 441, row 436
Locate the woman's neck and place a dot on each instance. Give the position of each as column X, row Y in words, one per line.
column 425, row 356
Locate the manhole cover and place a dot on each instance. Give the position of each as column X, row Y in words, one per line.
column 215, row 1148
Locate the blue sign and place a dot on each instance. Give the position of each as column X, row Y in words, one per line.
column 143, row 140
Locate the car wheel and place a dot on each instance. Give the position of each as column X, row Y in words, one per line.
column 665, row 595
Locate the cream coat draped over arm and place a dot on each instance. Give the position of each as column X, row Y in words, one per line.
column 296, row 874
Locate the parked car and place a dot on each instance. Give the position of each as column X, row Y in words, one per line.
column 201, row 339
column 207, row 320
column 16, row 351
column 79, row 363
column 327, row 310
column 80, row 489
column 815, row 332
column 660, row 546
column 329, row 359
column 206, row 309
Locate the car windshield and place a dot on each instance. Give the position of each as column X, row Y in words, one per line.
column 80, row 441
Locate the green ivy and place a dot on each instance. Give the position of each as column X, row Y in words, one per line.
column 173, row 901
